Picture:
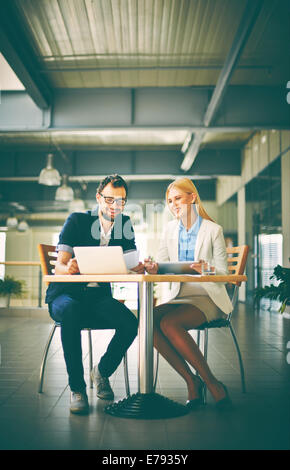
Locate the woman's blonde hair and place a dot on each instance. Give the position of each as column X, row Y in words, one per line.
column 187, row 186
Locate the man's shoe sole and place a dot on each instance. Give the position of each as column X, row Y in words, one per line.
column 105, row 397
column 83, row 411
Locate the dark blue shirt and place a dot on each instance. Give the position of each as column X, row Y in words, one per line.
column 83, row 229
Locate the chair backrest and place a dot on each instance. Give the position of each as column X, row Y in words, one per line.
column 47, row 255
column 237, row 259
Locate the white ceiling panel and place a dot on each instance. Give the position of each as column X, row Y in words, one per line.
column 139, row 43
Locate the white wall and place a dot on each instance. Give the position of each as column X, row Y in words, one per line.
column 8, row 78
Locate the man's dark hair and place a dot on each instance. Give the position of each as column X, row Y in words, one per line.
column 116, row 181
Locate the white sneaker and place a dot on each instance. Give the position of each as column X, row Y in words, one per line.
column 104, row 390
column 79, row 403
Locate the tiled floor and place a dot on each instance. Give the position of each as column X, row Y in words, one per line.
column 260, row 419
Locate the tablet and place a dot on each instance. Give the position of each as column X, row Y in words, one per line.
column 178, row 267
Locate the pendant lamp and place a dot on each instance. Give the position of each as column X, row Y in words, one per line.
column 64, row 192
column 49, row 176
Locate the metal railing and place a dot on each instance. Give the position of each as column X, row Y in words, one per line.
column 28, row 263
column 130, row 296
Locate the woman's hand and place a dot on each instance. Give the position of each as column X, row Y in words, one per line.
column 150, row 266
column 197, row 266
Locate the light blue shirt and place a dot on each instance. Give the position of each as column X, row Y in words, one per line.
column 187, row 240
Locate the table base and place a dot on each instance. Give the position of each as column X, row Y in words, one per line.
column 146, row 406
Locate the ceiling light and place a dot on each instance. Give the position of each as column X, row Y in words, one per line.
column 11, row 222
column 49, row 176
column 18, row 206
column 22, row 226
column 77, row 205
column 64, row 192
column 264, row 139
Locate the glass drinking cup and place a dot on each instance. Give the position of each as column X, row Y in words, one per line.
column 207, row 268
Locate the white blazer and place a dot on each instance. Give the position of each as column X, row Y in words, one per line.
column 210, row 244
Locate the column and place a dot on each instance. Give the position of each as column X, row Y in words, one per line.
column 242, row 232
column 285, row 197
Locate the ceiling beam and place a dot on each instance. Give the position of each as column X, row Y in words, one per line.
column 90, row 132
column 21, row 57
column 252, row 10
column 96, row 178
column 61, row 69
column 243, row 107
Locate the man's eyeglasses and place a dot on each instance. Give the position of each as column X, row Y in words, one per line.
column 120, row 201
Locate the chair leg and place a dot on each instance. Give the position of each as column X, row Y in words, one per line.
column 156, row 369
column 126, row 374
column 42, row 367
column 240, row 359
column 205, row 344
column 198, row 338
column 90, row 355
column 205, row 348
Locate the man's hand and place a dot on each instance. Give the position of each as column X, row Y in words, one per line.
column 65, row 264
column 139, row 269
column 150, row 266
column 72, row 266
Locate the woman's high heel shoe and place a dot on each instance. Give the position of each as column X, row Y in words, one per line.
column 196, row 402
column 224, row 402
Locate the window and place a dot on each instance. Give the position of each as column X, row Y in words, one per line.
column 2, row 253
column 270, row 249
column 55, row 237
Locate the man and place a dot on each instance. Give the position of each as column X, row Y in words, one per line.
column 79, row 305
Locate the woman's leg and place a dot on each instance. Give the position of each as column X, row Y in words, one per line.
column 174, row 326
column 170, row 353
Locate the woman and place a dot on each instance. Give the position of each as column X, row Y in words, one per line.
column 191, row 236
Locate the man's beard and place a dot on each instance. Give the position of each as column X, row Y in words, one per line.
column 108, row 216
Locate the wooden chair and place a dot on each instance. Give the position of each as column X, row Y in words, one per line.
column 237, row 258
column 48, row 255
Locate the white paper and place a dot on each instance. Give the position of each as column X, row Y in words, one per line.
column 131, row 258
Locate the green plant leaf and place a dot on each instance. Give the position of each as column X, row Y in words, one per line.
column 280, row 292
column 282, row 308
column 11, row 286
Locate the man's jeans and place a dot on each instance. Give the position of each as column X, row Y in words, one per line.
column 89, row 311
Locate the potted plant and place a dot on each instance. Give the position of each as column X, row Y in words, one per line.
column 117, row 292
column 122, row 299
column 154, row 293
column 9, row 286
column 281, row 292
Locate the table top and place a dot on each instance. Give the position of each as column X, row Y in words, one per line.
column 232, row 278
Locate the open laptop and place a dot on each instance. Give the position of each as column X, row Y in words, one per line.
column 100, row 260
column 178, row 267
